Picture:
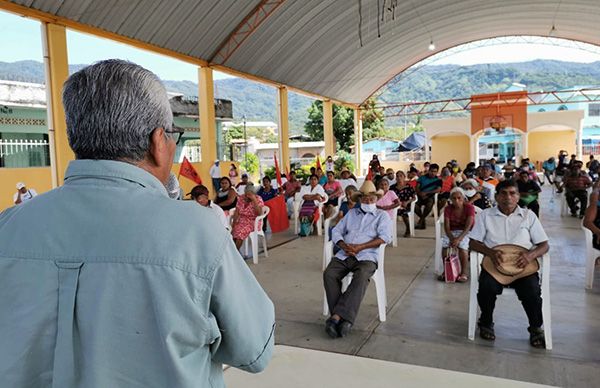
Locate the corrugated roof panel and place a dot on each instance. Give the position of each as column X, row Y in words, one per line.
column 313, row 44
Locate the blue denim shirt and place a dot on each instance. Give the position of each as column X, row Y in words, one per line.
column 359, row 227
column 106, row 282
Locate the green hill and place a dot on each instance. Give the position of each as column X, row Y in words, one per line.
column 258, row 102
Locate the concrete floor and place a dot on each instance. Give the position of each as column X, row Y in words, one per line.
column 427, row 320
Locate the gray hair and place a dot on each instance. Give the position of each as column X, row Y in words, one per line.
column 111, row 108
column 458, row 190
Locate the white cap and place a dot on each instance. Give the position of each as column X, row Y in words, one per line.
column 20, row 185
column 216, row 160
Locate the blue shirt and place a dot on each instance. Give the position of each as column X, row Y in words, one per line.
column 266, row 195
column 359, row 227
column 106, row 282
column 427, row 184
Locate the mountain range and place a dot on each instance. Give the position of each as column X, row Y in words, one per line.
column 257, row 102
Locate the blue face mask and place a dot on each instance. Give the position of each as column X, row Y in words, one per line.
column 368, row 207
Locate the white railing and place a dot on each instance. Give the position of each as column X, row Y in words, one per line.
column 24, row 153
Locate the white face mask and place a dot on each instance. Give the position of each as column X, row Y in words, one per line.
column 368, row 208
column 470, row 193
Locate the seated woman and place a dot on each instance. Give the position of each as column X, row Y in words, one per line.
column 474, row 196
column 459, row 217
column 389, row 201
column 266, row 191
column 226, row 196
column 311, row 196
column 334, row 190
column 406, row 194
column 248, row 208
column 591, row 219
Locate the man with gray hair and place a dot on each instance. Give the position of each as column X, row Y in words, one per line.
column 121, row 285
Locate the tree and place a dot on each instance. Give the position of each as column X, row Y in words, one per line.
column 250, row 163
column 372, row 119
column 343, row 124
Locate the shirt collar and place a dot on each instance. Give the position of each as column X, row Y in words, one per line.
column 113, row 169
column 518, row 211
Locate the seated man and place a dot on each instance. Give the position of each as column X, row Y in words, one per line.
column 200, row 194
column 529, row 191
column 359, row 235
column 427, row 186
column 509, row 224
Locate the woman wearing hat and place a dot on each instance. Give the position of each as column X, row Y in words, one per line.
column 249, row 206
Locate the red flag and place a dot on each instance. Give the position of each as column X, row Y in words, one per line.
column 318, row 162
column 187, row 170
column 369, row 175
column 278, row 215
column 277, row 171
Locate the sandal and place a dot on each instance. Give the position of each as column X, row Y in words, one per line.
column 487, row 332
column 537, row 338
column 462, row 279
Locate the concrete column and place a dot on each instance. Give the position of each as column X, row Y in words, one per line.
column 208, row 128
column 580, row 141
column 283, row 124
column 54, row 42
column 358, row 140
column 328, row 128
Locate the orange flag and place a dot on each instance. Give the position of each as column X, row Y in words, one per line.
column 369, row 175
column 318, row 162
column 278, row 215
column 187, row 170
column 277, row 171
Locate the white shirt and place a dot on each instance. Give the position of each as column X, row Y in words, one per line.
column 522, row 228
column 347, row 182
column 329, row 166
column 24, row 197
column 220, row 214
column 215, row 171
column 241, row 188
column 318, row 189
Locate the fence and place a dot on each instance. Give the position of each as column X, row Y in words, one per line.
column 24, row 153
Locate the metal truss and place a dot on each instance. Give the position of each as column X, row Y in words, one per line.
column 247, row 26
column 466, row 104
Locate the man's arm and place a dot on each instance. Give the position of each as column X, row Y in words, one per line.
column 244, row 313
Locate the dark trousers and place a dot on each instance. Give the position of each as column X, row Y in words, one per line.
column 534, row 206
column 216, row 184
column 427, row 204
column 346, row 304
column 528, row 291
column 548, row 176
column 581, row 195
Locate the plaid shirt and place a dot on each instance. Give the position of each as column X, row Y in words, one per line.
column 579, row 182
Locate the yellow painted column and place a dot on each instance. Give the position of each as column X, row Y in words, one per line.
column 328, row 128
column 580, row 141
column 284, row 138
column 208, row 127
column 54, row 42
column 358, row 140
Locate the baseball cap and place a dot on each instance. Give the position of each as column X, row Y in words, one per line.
column 20, row 185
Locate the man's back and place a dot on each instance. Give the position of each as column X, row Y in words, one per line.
column 106, row 282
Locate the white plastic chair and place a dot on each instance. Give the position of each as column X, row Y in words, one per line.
column 394, row 227
column 253, row 237
column 591, row 254
column 321, row 215
column 378, row 278
column 476, row 259
column 326, row 226
column 296, row 206
column 411, row 217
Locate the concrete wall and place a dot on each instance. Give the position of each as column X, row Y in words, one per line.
column 37, row 178
column 446, row 148
column 542, row 145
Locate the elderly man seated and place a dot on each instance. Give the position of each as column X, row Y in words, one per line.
column 511, row 238
column 358, row 235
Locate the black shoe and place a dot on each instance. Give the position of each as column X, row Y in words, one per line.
column 331, row 327
column 344, row 328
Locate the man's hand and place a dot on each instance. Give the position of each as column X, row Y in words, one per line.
column 348, row 248
column 523, row 259
column 18, row 201
column 497, row 257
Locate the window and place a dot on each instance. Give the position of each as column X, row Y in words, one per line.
column 594, row 110
column 24, row 150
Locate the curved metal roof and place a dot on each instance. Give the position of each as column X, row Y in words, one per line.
column 313, row 45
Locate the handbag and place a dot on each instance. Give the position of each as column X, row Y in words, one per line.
column 306, row 226
column 451, row 266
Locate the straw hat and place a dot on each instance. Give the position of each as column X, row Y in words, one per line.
column 367, row 188
column 507, row 271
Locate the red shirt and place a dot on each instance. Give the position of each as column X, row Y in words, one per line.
column 459, row 222
column 447, row 184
